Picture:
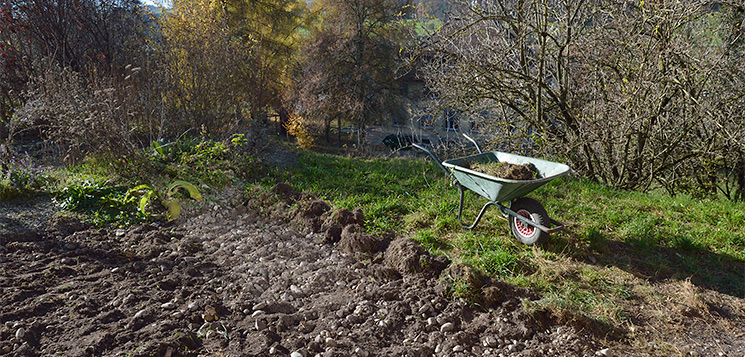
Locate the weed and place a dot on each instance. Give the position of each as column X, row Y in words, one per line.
column 100, row 203
column 166, row 197
column 20, row 177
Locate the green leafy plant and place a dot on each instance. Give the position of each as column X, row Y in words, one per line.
column 167, row 197
column 100, row 202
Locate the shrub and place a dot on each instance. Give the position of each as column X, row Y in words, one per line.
column 93, row 116
column 20, row 176
column 298, row 127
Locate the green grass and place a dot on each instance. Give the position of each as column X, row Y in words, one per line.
column 634, row 238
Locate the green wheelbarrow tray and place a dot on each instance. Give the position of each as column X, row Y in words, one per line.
column 500, row 189
column 529, row 221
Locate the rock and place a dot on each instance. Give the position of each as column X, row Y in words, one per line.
column 210, row 314
column 20, row 333
column 260, row 325
column 169, row 352
column 360, row 352
column 68, row 261
column 208, row 317
column 459, row 348
column 295, row 290
column 168, row 306
column 140, row 314
column 296, row 354
column 447, row 327
column 604, row 352
column 491, row 341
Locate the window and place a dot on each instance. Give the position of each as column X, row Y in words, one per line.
column 477, row 126
column 451, row 120
column 404, row 89
column 398, row 121
column 427, row 122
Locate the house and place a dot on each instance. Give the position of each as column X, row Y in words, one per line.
column 418, row 120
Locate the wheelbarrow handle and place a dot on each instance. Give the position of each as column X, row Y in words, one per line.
column 434, row 157
column 473, row 141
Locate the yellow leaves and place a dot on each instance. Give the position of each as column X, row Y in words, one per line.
column 174, row 207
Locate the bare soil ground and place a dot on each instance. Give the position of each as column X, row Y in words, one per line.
column 281, row 273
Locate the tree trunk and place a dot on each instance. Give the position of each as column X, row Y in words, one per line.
column 338, row 126
column 327, row 130
column 740, row 193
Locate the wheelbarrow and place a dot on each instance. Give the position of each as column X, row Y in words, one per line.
column 528, row 220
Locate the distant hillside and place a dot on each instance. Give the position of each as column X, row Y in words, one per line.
column 437, row 8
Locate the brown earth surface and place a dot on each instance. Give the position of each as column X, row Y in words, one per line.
column 283, row 274
column 507, row 170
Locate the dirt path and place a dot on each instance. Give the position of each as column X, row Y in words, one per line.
column 255, row 279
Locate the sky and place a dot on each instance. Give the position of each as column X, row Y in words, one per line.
column 166, row 3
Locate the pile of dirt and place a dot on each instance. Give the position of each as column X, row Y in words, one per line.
column 507, row 170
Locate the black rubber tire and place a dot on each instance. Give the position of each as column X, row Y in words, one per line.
column 533, row 210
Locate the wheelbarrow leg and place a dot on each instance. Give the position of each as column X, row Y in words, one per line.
column 481, row 214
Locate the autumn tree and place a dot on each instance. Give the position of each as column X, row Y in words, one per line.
column 349, row 66
column 272, row 29
column 204, row 65
column 226, row 58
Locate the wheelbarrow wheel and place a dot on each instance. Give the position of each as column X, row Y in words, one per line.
column 534, row 211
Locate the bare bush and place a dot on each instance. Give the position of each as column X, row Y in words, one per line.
column 89, row 37
column 81, row 117
column 635, row 95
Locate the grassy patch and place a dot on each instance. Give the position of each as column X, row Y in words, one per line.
column 616, row 242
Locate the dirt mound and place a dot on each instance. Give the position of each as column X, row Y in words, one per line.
column 355, row 241
column 507, row 170
column 408, row 257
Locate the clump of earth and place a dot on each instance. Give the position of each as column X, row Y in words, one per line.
column 275, row 273
column 507, row 170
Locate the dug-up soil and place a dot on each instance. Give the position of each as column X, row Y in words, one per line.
column 273, row 274
column 507, row 170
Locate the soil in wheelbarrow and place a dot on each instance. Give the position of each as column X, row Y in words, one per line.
column 507, row 170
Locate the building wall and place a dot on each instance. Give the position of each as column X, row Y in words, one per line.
column 424, row 125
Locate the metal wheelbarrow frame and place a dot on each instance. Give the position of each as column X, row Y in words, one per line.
column 529, row 222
